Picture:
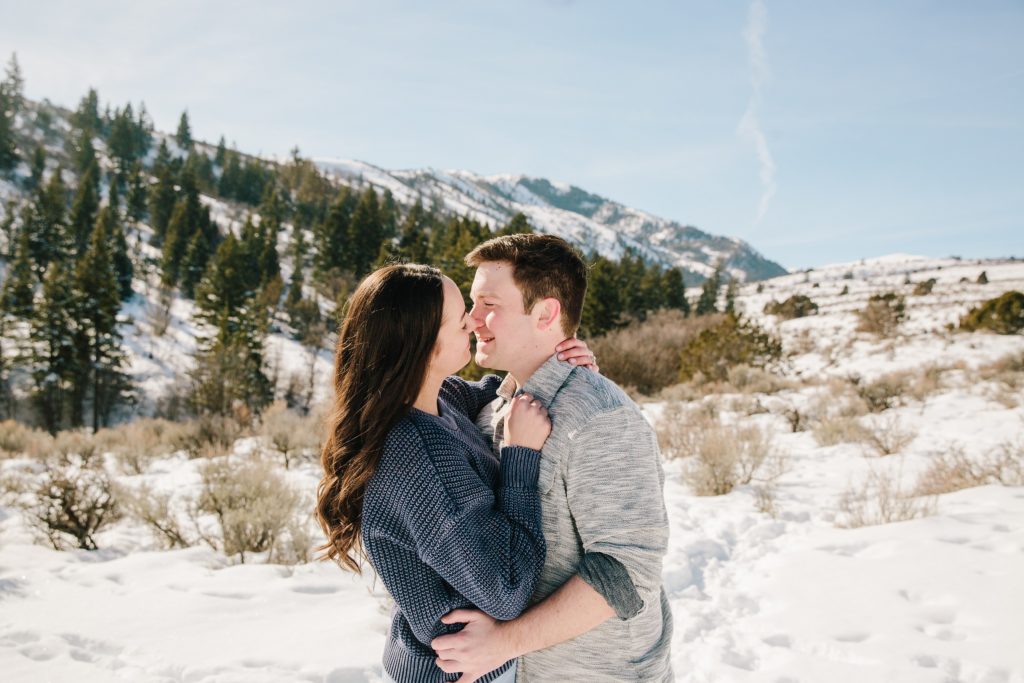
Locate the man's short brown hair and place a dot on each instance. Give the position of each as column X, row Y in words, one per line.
column 543, row 266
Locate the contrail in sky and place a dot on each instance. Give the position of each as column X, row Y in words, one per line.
column 750, row 126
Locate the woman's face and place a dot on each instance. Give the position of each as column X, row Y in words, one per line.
column 451, row 351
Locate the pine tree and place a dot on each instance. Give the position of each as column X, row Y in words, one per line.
column 413, row 241
column 518, row 224
column 18, row 289
column 97, row 305
column 84, row 208
column 731, row 290
column 8, row 151
column 708, row 301
column 123, row 139
column 43, row 220
column 121, row 260
column 13, row 86
column 184, row 135
column 674, row 289
column 143, row 132
column 197, row 257
column 87, row 116
column 53, row 359
column 163, row 196
column 602, row 305
column 332, row 237
column 229, row 364
column 366, row 232
column 137, row 193
column 222, row 153
column 84, row 153
column 38, row 168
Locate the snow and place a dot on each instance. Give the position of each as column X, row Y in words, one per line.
column 755, row 598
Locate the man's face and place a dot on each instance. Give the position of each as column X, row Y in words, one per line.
column 504, row 331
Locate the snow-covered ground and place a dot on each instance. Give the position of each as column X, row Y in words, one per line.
column 756, row 597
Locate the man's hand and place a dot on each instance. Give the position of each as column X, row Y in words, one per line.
column 478, row 648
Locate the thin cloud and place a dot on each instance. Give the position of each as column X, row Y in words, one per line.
column 750, row 125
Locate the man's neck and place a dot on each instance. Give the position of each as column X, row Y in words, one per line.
column 530, row 363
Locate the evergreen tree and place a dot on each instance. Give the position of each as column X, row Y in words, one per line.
column 602, row 305
column 332, row 237
column 84, row 208
column 84, row 153
column 366, row 232
column 229, row 365
column 43, row 220
column 37, row 168
column 197, row 257
column 53, row 359
column 518, row 224
column 413, row 241
column 674, row 289
column 137, row 193
column 163, row 196
column 87, row 116
column 97, row 305
column 8, row 151
column 708, row 301
column 731, row 290
column 123, row 140
column 122, row 262
column 143, row 132
column 222, row 153
column 13, row 86
column 18, row 289
column 184, row 135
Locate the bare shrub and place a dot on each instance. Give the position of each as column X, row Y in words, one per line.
column 727, row 457
column 253, row 504
column 795, row 418
column 1007, row 370
column 206, row 436
column 751, row 380
column 158, row 313
column 154, row 509
column 288, row 433
column 886, row 437
column 16, row 438
column 136, row 443
column 880, row 500
column 70, row 501
column 830, row 431
column 883, row 314
column 953, row 470
column 925, row 382
column 764, row 499
column 883, row 392
column 646, row 355
column 681, row 428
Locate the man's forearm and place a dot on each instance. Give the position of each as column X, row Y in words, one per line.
column 570, row 611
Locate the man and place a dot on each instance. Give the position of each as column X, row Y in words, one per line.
column 599, row 612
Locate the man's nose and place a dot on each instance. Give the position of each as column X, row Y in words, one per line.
column 475, row 317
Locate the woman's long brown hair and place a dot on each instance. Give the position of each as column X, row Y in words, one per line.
column 380, row 362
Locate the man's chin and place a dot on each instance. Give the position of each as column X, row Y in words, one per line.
column 484, row 361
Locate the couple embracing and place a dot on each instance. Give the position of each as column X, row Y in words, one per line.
column 519, row 524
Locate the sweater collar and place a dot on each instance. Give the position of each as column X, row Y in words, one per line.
column 543, row 384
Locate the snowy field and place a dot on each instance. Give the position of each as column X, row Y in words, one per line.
column 781, row 598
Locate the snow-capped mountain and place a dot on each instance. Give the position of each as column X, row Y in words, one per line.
column 588, row 220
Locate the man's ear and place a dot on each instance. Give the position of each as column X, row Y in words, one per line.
column 550, row 311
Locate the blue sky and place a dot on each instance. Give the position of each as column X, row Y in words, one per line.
column 820, row 132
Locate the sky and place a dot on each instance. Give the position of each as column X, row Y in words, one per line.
column 818, row 132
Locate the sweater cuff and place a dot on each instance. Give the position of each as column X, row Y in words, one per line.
column 520, row 466
column 608, row 577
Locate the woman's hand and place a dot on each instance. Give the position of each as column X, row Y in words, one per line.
column 576, row 352
column 527, row 423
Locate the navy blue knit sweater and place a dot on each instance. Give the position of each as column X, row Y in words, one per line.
column 446, row 525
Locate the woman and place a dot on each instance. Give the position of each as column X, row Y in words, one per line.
column 410, row 483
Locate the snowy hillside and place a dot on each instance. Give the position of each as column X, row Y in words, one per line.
column 592, row 222
column 767, row 583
